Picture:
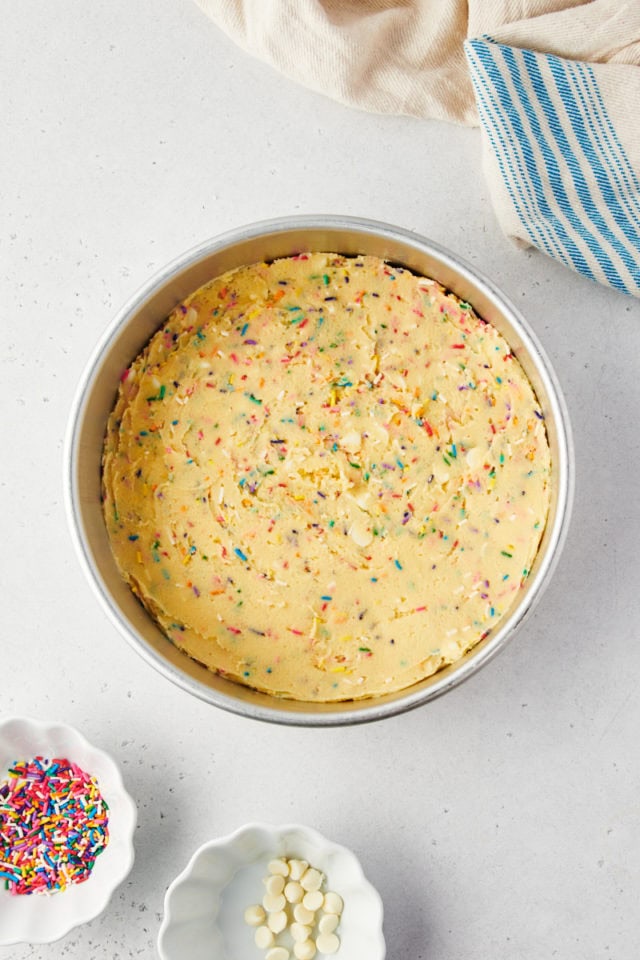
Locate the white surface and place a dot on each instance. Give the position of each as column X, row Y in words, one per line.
column 205, row 905
column 498, row 822
column 40, row 918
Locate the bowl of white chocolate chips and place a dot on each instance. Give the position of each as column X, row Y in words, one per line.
column 283, row 893
column 319, row 471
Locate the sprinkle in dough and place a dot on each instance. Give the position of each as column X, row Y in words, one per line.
column 325, row 477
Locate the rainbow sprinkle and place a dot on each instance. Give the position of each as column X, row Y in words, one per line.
column 53, row 826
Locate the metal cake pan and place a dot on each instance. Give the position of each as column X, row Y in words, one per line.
column 131, row 330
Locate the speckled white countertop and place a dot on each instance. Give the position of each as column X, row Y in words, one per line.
column 498, row 822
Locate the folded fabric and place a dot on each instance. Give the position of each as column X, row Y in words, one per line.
column 558, row 102
column 553, row 84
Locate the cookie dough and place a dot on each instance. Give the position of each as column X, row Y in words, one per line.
column 325, row 477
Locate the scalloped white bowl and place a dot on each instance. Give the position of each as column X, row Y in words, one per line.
column 42, row 918
column 204, row 906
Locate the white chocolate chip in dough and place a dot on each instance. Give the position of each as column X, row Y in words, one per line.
column 305, row 950
column 313, row 900
column 379, row 435
column 254, row 915
column 328, row 943
column 361, row 497
column 351, row 441
column 279, row 867
column 333, row 903
column 440, row 473
column 360, row 533
column 264, row 938
column 475, row 458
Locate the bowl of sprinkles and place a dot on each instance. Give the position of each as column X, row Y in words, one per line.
column 66, row 828
column 276, row 892
column 319, row 471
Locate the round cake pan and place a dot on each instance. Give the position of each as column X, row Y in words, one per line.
column 131, row 330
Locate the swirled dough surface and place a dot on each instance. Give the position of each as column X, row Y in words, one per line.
column 325, row 477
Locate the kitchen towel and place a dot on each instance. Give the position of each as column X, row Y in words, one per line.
column 553, row 84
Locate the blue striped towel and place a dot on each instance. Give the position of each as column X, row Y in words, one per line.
column 562, row 176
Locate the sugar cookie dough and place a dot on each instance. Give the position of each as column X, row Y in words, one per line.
column 325, row 477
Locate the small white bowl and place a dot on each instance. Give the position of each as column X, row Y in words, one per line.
column 204, row 906
column 43, row 918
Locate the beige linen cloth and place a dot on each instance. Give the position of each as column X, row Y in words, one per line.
column 553, row 84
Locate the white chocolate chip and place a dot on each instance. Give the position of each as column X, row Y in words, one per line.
column 264, row 938
column 328, row 922
column 274, row 902
column 440, row 473
column 312, row 880
column 292, row 907
column 361, row 497
column 277, row 921
column 333, row 903
column 360, row 533
column 303, row 915
column 306, row 950
column 475, row 458
column 328, row 943
column 300, row 931
column 313, row 900
column 377, row 432
column 297, row 868
column 278, row 953
column 279, row 867
column 293, row 892
column 254, row 915
column 274, row 883
column 351, row 441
